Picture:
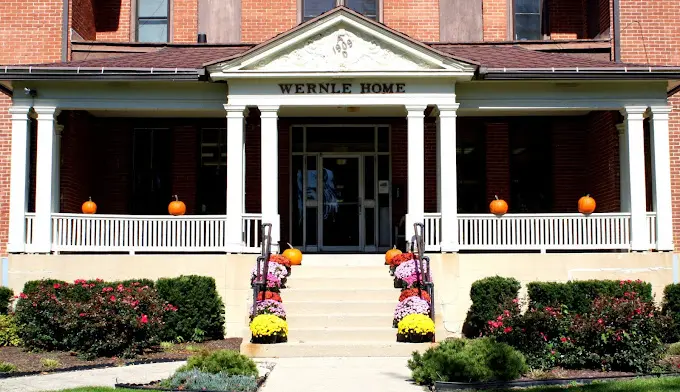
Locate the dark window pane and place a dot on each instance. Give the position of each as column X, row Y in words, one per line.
column 370, row 226
column 152, row 30
column 350, row 139
column 298, row 204
column 311, row 226
column 384, row 139
column 298, row 137
column 152, row 8
column 313, row 8
column 369, row 177
column 528, row 27
column 368, row 8
column 527, row 6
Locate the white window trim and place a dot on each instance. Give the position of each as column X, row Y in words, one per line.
column 511, row 21
column 300, row 11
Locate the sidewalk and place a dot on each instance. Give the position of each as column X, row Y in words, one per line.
column 376, row 374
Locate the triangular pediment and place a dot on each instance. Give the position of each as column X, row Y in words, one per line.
column 341, row 42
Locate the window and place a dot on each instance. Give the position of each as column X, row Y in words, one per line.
column 152, row 20
column 313, row 8
column 529, row 21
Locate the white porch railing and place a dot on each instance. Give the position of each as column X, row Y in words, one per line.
column 128, row 233
column 30, row 216
column 538, row 231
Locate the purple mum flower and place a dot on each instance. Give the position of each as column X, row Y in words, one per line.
column 411, row 305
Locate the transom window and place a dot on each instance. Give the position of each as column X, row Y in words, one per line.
column 152, row 20
column 528, row 19
column 313, row 8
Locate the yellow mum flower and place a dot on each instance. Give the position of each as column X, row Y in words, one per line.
column 268, row 325
column 416, row 324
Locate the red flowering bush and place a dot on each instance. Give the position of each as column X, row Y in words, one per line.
column 415, row 293
column 116, row 320
column 263, row 295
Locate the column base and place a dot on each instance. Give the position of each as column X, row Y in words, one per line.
column 450, row 247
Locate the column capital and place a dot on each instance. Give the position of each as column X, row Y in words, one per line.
column 416, row 111
column 19, row 112
column 660, row 112
column 235, row 111
column 621, row 128
column 46, row 112
column 269, row 111
column 448, row 110
column 634, row 112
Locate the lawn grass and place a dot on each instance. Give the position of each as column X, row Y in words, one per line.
column 667, row 384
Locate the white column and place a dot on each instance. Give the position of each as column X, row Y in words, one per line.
column 269, row 166
column 624, row 186
column 449, row 181
column 661, row 177
column 235, row 188
column 18, row 191
column 634, row 117
column 45, row 175
column 416, row 167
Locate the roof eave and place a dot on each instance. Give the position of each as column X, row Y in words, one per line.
column 109, row 74
column 638, row 73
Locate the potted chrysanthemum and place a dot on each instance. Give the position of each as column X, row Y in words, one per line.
column 270, row 306
column 397, row 260
column 405, row 275
column 269, row 329
column 415, row 328
column 411, row 305
column 283, row 260
column 276, row 269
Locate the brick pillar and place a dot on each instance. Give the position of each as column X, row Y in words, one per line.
column 498, row 161
column 567, row 149
column 113, row 160
column 184, row 165
column 430, row 165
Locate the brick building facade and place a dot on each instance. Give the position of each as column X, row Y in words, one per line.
column 584, row 148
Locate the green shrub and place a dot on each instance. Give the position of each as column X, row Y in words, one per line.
column 461, row 360
column 578, row 296
column 6, row 367
column 673, row 349
column 9, row 331
column 197, row 381
column 487, row 295
column 6, row 295
column 671, row 307
column 93, row 318
column 200, row 310
column 227, row 361
column 49, row 363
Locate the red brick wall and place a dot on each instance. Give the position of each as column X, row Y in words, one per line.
column 399, row 158
column 495, row 20
column 431, row 165
column 83, row 18
column 5, row 159
column 76, row 173
column 261, row 20
column 417, row 18
column 185, row 165
column 30, row 32
column 568, row 19
column 568, row 178
column 184, row 21
column 602, row 155
column 112, row 20
column 113, row 162
column 497, row 161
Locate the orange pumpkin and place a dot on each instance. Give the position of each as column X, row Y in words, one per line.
column 586, row 205
column 294, row 255
column 177, row 207
column 89, row 207
column 391, row 253
column 498, row 206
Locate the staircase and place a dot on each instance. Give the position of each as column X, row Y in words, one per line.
column 338, row 306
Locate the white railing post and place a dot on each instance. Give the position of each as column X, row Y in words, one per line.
column 235, row 126
column 44, row 178
column 634, row 117
column 18, row 191
column 415, row 193
column 269, row 159
column 661, row 177
column 449, row 183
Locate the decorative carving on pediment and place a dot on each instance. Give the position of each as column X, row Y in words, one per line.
column 342, row 50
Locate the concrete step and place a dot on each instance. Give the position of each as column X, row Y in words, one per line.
column 340, row 295
column 357, row 282
column 332, row 349
column 343, row 260
column 343, row 334
column 377, row 320
column 307, row 271
column 312, row 306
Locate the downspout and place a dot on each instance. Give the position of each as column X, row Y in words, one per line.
column 64, row 32
column 617, row 30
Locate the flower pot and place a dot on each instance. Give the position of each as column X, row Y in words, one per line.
column 415, row 338
column 264, row 339
column 398, row 283
column 395, row 323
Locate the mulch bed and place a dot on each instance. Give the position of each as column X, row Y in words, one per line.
column 29, row 362
column 559, row 373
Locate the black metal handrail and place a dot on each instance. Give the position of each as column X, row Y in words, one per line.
column 423, row 264
column 262, row 269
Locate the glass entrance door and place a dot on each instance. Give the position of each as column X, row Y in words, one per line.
column 341, row 199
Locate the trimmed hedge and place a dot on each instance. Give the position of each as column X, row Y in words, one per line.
column 6, row 295
column 487, row 297
column 578, row 296
column 671, row 307
column 200, row 310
